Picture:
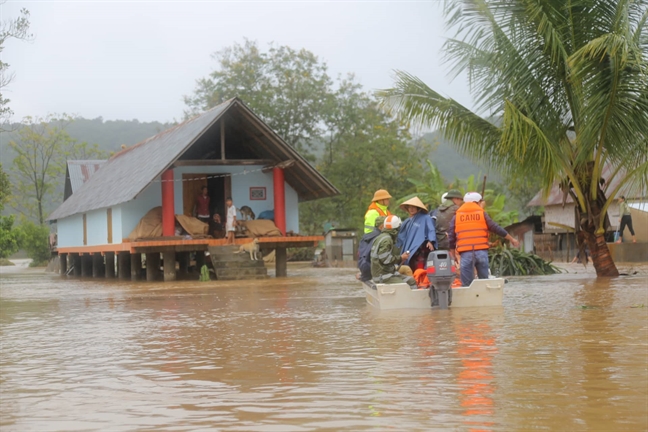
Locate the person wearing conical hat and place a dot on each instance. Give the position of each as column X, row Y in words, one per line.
column 417, row 234
column 378, row 207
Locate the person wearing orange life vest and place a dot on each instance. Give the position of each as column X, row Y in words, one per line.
column 468, row 234
column 378, row 207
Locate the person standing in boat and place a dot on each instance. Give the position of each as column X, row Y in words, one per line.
column 378, row 207
column 468, row 233
column 444, row 214
column 417, row 235
column 386, row 257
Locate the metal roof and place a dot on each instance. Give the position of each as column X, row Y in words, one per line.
column 79, row 172
column 125, row 175
column 555, row 196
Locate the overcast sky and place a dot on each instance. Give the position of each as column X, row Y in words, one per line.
column 135, row 60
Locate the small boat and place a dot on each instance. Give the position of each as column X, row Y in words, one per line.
column 480, row 293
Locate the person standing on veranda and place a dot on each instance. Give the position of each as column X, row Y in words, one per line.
column 625, row 219
column 201, row 207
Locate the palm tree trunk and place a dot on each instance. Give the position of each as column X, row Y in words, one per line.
column 601, row 258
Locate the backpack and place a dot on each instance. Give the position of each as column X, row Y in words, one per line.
column 364, row 254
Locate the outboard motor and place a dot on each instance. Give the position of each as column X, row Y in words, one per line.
column 441, row 274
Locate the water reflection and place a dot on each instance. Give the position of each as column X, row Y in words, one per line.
column 306, row 353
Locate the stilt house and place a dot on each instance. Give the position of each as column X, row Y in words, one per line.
column 228, row 149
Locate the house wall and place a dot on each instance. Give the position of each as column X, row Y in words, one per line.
column 241, row 184
column 133, row 211
column 566, row 216
column 70, row 231
column 97, row 225
column 126, row 216
column 640, row 225
column 560, row 215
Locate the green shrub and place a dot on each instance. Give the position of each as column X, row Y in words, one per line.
column 35, row 241
column 9, row 237
column 514, row 262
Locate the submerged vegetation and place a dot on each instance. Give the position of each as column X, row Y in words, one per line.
column 505, row 261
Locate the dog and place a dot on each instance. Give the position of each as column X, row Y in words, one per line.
column 246, row 213
column 252, row 248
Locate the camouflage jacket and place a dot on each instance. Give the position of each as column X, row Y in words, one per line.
column 384, row 254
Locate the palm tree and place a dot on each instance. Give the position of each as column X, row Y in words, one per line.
column 563, row 89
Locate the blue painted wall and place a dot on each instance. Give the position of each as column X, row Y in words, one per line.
column 133, row 211
column 97, row 224
column 70, row 231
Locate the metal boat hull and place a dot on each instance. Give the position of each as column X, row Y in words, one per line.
column 481, row 293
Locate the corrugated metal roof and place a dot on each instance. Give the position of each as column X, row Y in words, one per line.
column 555, row 196
column 130, row 171
column 79, row 172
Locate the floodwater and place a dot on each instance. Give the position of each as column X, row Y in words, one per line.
column 565, row 352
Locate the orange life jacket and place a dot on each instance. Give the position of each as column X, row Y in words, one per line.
column 374, row 206
column 471, row 228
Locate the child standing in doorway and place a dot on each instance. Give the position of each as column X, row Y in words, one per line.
column 231, row 220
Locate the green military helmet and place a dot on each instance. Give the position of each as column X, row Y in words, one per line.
column 453, row 193
column 379, row 221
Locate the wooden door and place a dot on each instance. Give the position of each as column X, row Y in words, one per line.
column 191, row 186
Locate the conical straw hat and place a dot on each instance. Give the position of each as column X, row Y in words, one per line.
column 416, row 202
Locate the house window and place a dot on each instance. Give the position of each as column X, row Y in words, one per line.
column 257, row 193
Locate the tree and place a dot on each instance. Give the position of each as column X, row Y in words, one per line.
column 374, row 152
column 9, row 237
column 569, row 81
column 17, row 28
column 42, row 148
column 288, row 89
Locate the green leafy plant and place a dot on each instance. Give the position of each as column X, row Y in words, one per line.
column 34, row 239
column 514, row 262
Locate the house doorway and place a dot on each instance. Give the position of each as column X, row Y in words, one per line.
column 218, row 189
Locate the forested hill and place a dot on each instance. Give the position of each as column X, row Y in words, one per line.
column 452, row 164
column 109, row 135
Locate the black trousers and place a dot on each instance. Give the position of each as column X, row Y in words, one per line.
column 626, row 220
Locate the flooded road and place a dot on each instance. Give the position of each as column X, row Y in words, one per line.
column 565, row 352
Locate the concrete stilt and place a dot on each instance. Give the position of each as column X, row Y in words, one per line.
column 183, row 264
column 110, row 265
column 77, row 263
column 152, row 266
column 135, row 266
column 281, row 264
column 200, row 260
column 124, row 265
column 98, row 268
column 86, row 265
column 63, row 263
column 169, row 266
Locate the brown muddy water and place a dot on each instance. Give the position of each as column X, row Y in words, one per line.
column 565, row 352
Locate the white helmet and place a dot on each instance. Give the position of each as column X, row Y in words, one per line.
column 444, row 196
column 392, row 222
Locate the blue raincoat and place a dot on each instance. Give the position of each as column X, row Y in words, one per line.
column 415, row 231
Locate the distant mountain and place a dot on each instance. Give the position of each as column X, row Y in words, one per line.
column 453, row 164
column 108, row 135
